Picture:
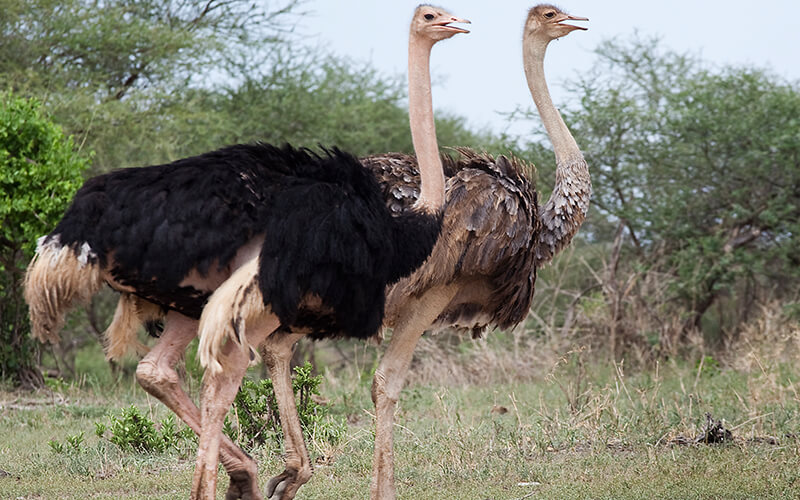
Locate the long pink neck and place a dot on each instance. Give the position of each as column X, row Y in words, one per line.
column 423, row 130
column 566, row 209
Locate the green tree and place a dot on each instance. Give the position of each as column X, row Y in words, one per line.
column 145, row 81
column 335, row 102
column 128, row 65
column 39, row 173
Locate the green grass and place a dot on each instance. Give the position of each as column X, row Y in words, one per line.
column 597, row 433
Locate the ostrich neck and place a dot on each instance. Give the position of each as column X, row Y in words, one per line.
column 423, row 130
column 565, row 211
column 564, row 144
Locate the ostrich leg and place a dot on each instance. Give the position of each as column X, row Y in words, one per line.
column 389, row 379
column 218, row 394
column 156, row 374
column 297, row 472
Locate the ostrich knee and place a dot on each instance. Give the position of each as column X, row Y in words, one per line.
column 154, row 378
column 381, row 390
column 301, row 468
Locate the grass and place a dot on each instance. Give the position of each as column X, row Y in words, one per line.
column 582, row 430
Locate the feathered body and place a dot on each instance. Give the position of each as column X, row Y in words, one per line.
column 489, row 234
column 333, row 237
column 326, row 232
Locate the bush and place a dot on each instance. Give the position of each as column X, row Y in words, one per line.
column 73, row 445
column 255, row 412
column 132, row 431
column 39, row 173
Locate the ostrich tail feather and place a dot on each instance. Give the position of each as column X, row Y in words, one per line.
column 57, row 278
column 121, row 335
column 234, row 305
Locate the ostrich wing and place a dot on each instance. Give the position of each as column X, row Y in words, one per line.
column 489, row 228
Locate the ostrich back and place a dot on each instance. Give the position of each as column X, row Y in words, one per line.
column 488, row 233
column 327, row 230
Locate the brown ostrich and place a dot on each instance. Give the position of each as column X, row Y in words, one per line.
column 240, row 316
column 482, row 270
column 167, row 236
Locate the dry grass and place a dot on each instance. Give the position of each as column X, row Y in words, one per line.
column 516, row 415
column 580, row 428
column 770, row 335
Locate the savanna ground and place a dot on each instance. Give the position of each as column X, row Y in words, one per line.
column 572, row 427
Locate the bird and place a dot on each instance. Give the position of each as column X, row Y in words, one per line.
column 321, row 277
column 495, row 236
column 167, row 236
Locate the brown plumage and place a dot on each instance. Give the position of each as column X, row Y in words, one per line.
column 490, row 228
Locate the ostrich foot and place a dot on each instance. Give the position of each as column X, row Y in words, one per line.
column 244, row 486
column 284, row 486
column 277, row 485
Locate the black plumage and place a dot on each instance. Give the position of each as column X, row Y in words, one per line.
column 327, row 231
column 340, row 243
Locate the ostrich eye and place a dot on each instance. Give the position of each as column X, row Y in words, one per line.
column 550, row 15
column 429, row 17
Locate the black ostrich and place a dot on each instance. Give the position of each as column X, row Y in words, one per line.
column 167, row 236
column 248, row 310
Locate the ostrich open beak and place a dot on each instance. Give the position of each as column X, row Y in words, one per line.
column 567, row 17
column 446, row 25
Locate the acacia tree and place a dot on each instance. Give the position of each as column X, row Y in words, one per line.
column 39, row 173
column 700, row 167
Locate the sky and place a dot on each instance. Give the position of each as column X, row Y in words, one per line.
column 479, row 75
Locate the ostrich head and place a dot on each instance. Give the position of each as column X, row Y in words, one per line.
column 545, row 21
column 433, row 23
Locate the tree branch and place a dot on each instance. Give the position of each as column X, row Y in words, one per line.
column 127, row 84
column 739, row 239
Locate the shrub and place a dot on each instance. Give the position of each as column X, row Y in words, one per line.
column 132, row 431
column 255, row 412
column 39, row 173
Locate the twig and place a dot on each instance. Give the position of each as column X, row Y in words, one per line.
column 659, row 440
column 750, row 420
column 516, row 410
column 697, row 375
